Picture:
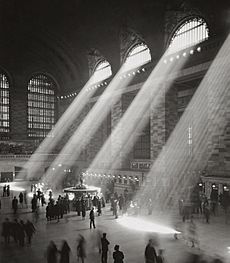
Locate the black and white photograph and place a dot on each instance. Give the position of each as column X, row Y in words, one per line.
column 115, row 131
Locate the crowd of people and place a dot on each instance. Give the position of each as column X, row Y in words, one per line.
column 201, row 204
column 17, row 230
column 54, row 255
column 20, row 231
column 56, row 210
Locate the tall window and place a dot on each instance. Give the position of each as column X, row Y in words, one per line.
column 4, row 106
column 102, row 71
column 138, row 56
column 190, row 33
column 41, row 105
column 142, row 145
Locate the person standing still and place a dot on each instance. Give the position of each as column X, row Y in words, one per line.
column 118, row 255
column 104, row 248
column 150, row 253
column 15, row 204
column 92, row 218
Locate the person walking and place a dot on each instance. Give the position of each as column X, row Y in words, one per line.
column 21, row 233
column 92, row 218
column 104, row 248
column 15, row 204
column 150, row 252
column 192, row 233
column 65, row 251
column 81, row 254
column 30, row 230
column 118, row 255
column 6, row 231
column 51, row 253
column 21, row 199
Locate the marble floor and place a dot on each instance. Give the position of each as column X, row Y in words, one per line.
column 214, row 238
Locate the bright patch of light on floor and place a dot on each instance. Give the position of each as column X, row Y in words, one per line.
column 145, row 226
column 17, row 188
column 30, row 195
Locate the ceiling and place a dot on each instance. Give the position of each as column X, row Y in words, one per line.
column 55, row 36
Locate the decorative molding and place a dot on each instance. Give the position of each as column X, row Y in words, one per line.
column 128, row 39
column 94, row 57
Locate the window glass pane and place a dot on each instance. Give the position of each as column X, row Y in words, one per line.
column 137, row 57
column 4, row 106
column 101, row 72
column 190, row 33
column 41, row 96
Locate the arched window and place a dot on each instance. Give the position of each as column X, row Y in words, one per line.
column 4, row 106
column 102, row 71
column 138, row 56
column 190, row 33
column 41, row 105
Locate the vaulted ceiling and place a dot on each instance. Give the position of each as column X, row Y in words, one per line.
column 55, row 36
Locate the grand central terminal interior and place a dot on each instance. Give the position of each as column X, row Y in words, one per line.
column 115, row 131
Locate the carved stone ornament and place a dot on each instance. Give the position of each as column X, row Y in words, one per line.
column 94, row 57
column 128, row 39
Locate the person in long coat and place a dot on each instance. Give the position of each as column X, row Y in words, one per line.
column 81, row 254
column 51, row 253
column 30, row 230
column 65, row 251
column 150, row 253
column 15, row 204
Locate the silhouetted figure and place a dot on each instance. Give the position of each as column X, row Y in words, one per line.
column 4, row 190
column 115, row 211
column 64, row 253
column 207, row 213
column 21, row 233
column 51, row 253
column 160, row 257
column 34, row 203
column 81, row 254
column 6, row 231
column 192, row 233
column 30, row 230
column 25, row 198
column 43, row 200
column 83, row 209
column 8, row 190
column 21, row 199
column 78, row 207
column 15, row 230
column 118, row 255
column 15, row 204
column 92, row 218
column 104, row 248
column 99, row 207
column 121, row 202
column 150, row 253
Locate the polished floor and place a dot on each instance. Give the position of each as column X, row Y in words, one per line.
column 214, row 238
